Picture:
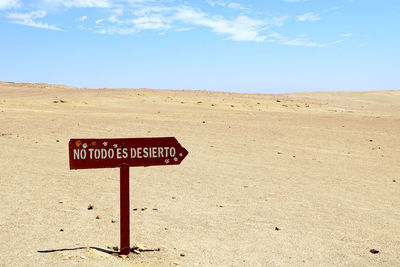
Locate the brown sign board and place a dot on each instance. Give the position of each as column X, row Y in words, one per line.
column 124, row 152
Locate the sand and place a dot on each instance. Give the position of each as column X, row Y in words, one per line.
column 308, row 179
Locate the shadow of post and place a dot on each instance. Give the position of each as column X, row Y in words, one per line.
column 68, row 249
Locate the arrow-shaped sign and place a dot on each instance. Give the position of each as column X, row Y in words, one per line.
column 130, row 152
column 124, row 153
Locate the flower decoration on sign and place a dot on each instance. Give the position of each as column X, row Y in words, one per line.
column 93, row 143
column 78, row 143
column 105, row 143
column 84, row 145
column 175, row 159
column 167, row 161
column 115, row 145
column 180, row 154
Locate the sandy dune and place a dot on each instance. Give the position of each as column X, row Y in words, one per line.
column 309, row 179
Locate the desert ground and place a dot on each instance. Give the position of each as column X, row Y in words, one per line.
column 306, row 179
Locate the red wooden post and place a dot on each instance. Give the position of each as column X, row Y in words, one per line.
column 124, row 211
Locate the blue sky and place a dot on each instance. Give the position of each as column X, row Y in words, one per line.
column 269, row 46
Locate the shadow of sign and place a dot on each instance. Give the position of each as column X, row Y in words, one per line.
column 69, row 249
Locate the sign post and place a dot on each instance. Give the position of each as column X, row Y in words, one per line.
column 124, row 211
column 124, row 153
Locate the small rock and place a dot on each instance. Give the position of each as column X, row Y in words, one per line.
column 57, row 141
column 155, row 209
column 61, row 230
column 176, row 263
column 182, row 255
column 143, row 209
column 279, row 152
column 374, row 251
column 173, row 197
column 29, row 255
column 90, row 207
column 204, row 121
column 135, row 251
column 135, row 209
column 277, row 229
column 60, row 202
column 113, row 221
column 394, row 181
column 97, row 217
column 83, row 257
column 277, row 100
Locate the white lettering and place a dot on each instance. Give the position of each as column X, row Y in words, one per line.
column 125, row 153
column 119, row 153
column 97, row 154
column 139, row 152
column 83, row 154
column 90, row 153
column 110, row 153
column 145, row 152
column 160, row 152
column 76, row 154
column 103, row 153
column 172, row 151
column 133, row 153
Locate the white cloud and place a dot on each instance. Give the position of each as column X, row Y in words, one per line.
column 29, row 19
column 241, row 28
column 152, row 22
column 300, row 40
column 81, row 3
column 310, row 16
column 228, row 4
column 83, row 18
column 347, row 35
column 8, row 4
column 132, row 16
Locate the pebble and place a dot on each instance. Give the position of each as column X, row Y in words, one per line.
column 83, row 257
column 277, row 229
column 176, row 262
column 374, row 251
column 90, row 207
